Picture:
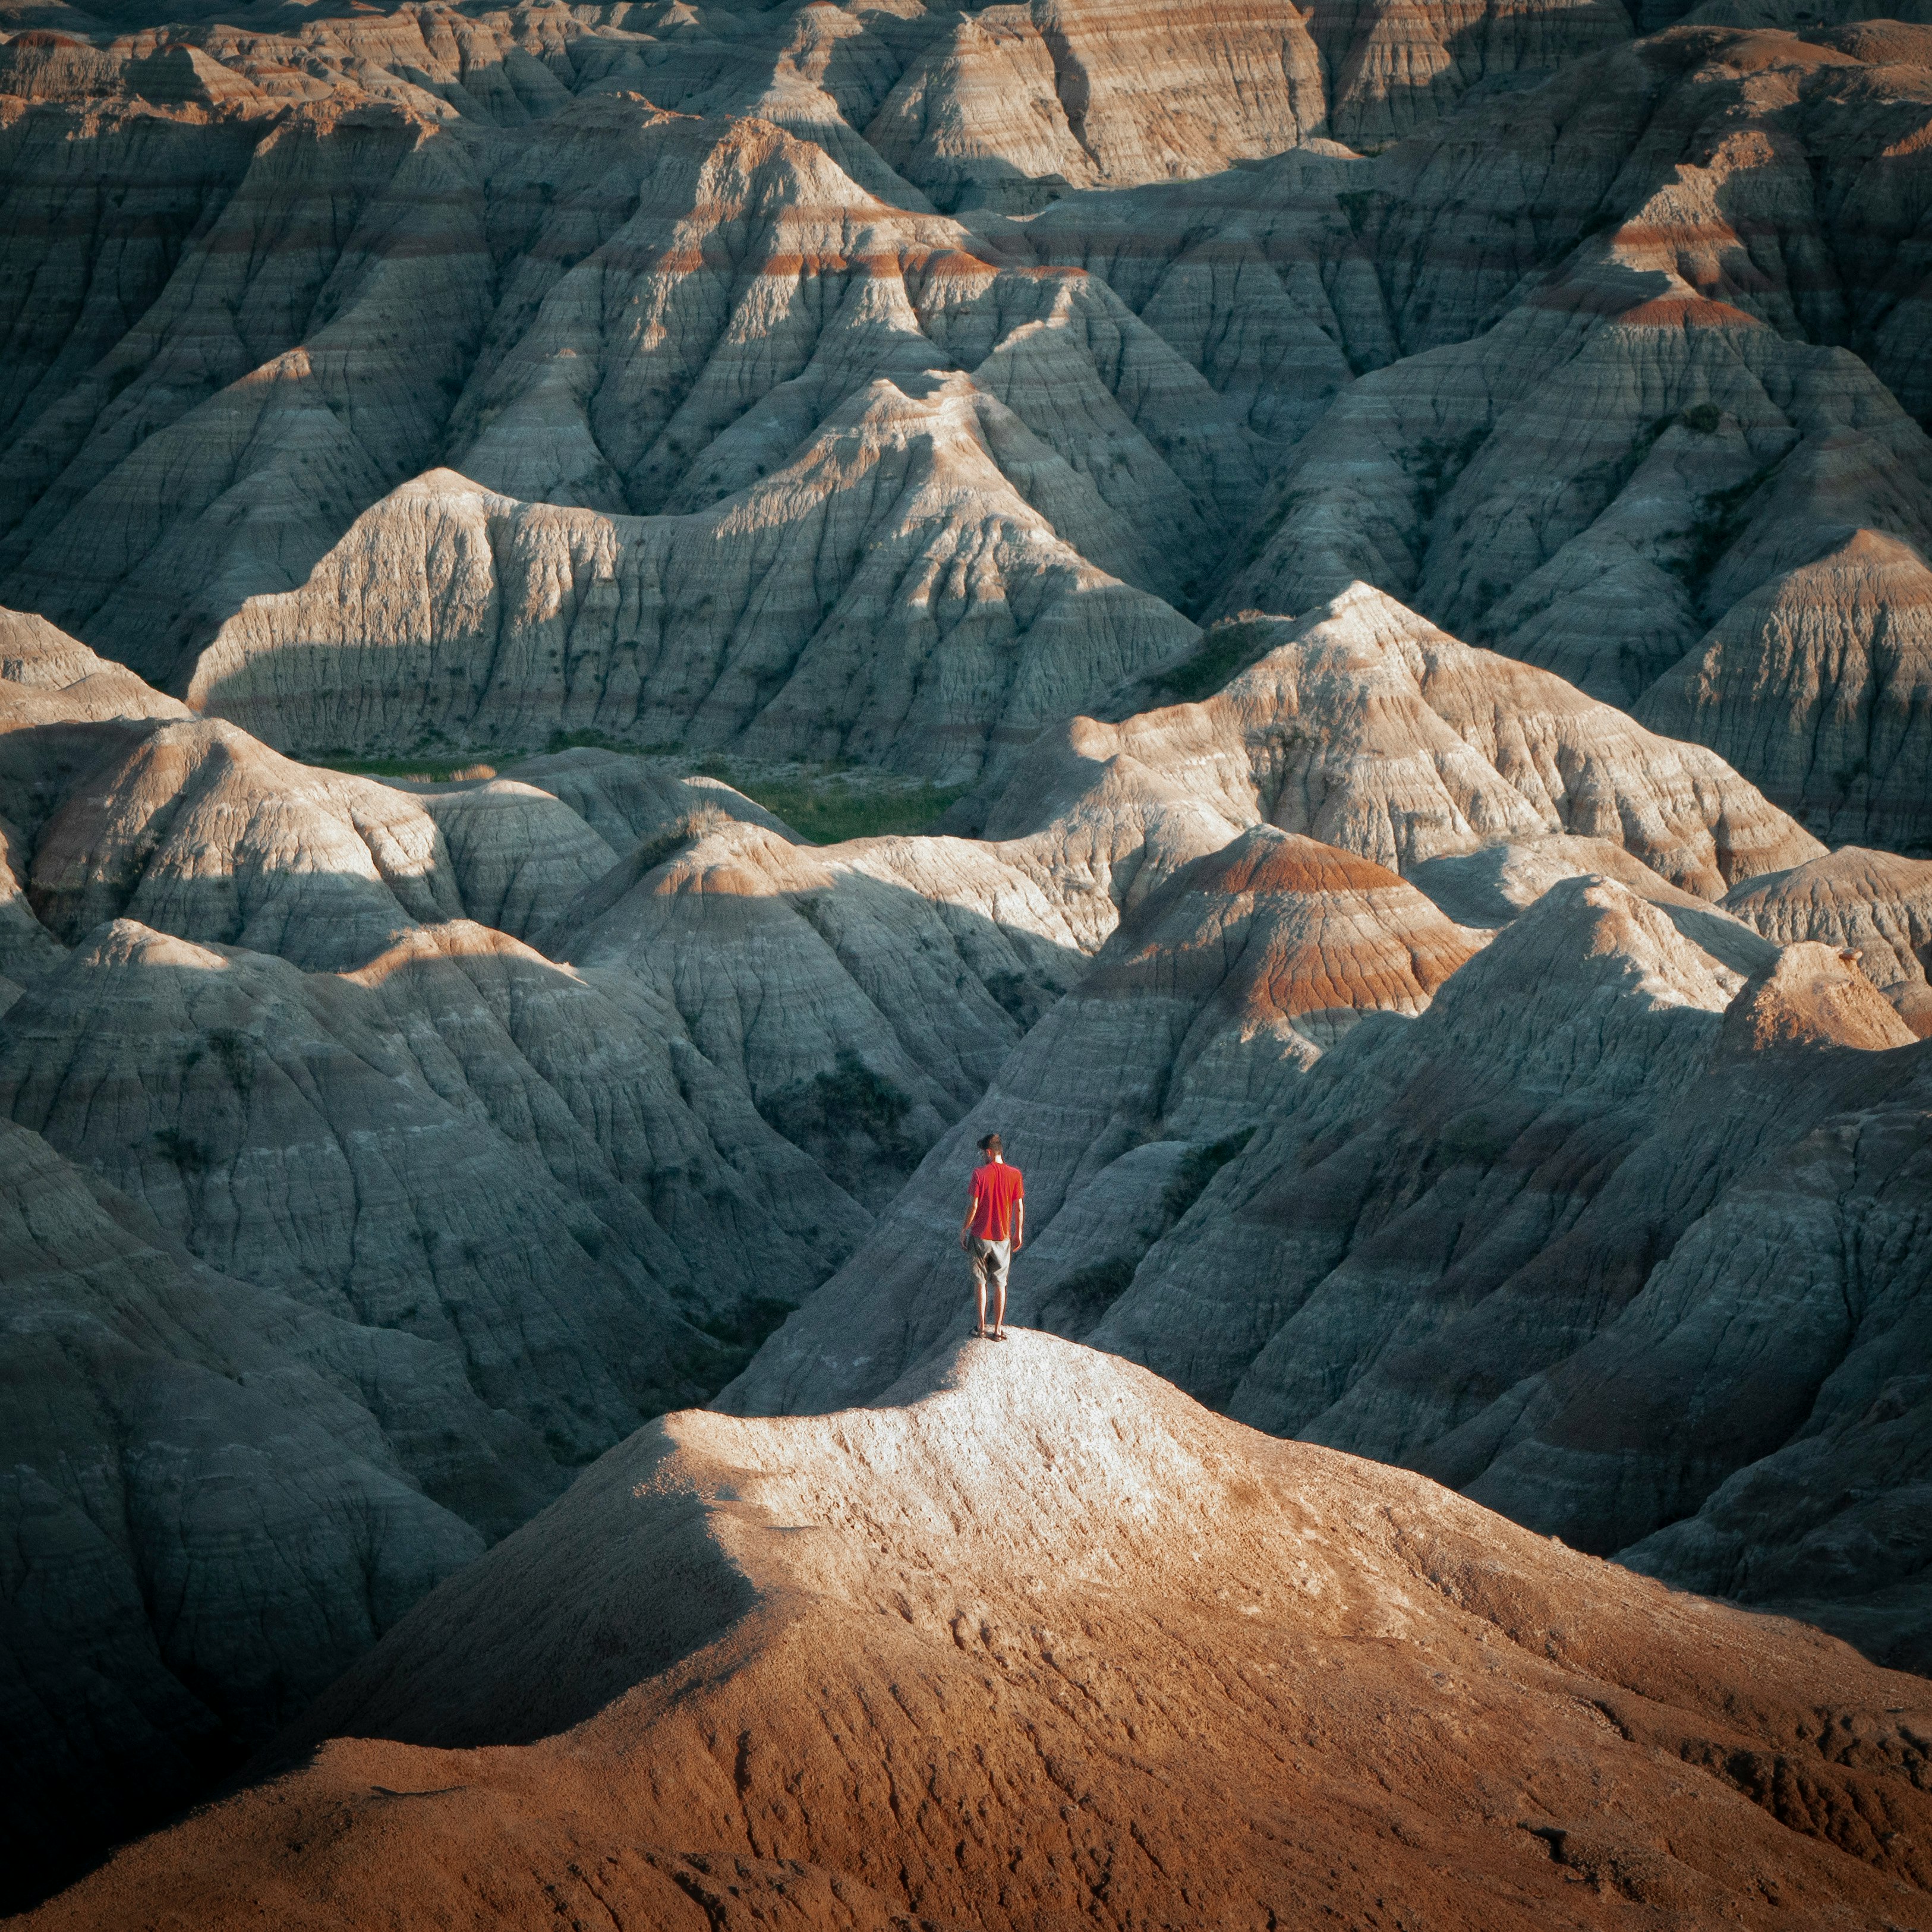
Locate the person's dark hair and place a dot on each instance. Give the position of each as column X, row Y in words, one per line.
column 990, row 1144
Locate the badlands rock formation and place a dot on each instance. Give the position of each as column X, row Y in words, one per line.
column 1439, row 1240
column 1041, row 1643
column 670, row 269
column 1466, row 1052
column 1815, row 684
column 1367, row 726
column 215, row 1497
column 1872, row 904
column 260, row 1003
column 1220, row 987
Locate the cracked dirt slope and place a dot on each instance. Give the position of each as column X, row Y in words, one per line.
column 1041, row 1643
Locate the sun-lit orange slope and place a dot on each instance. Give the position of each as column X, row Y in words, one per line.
column 1049, row 1646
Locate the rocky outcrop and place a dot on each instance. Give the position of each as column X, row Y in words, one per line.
column 433, row 388
column 1596, row 446
column 461, row 1140
column 865, row 995
column 1437, row 1239
column 1391, row 70
column 1365, row 726
column 1816, row 684
column 200, row 831
column 1566, row 1173
column 1018, row 103
column 558, row 619
column 239, row 483
column 1041, row 1572
column 1872, row 904
column 1583, row 435
column 48, row 677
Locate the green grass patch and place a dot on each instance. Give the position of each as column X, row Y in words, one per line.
column 1078, row 1302
column 825, row 803
column 829, row 807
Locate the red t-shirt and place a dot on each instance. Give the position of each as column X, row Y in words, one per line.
column 996, row 1186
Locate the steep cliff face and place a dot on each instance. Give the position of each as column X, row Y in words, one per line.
column 1817, row 683
column 1017, row 103
column 215, row 1497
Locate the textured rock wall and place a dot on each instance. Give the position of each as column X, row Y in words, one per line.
column 1365, row 726
column 215, row 1497
column 750, row 626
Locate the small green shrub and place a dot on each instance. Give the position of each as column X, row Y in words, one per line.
column 746, row 1326
column 1198, row 1167
column 849, row 1103
column 1082, row 1298
column 1226, row 650
column 189, row 1155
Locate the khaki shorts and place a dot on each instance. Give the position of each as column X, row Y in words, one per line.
column 989, row 1260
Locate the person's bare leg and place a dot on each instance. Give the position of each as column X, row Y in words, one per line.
column 999, row 1308
column 980, row 1283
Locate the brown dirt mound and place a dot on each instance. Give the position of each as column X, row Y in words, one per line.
column 1049, row 1645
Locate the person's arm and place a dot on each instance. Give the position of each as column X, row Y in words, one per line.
column 1019, row 1224
column 966, row 1225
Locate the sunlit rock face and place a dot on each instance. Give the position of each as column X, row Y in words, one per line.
column 1874, row 905
column 1396, row 539
column 1107, row 1637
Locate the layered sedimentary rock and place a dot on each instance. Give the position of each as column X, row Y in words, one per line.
column 474, row 1214
column 1817, row 684
column 750, row 626
column 866, row 995
column 1391, row 70
column 1438, row 1239
column 215, row 1498
column 461, row 1140
column 1585, row 434
column 48, row 677
column 1872, row 904
column 878, row 382
column 198, row 830
column 1578, row 1167
column 1044, row 1643
column 1598, row 444
column 148, row 508
column 1367, row 726
column 1018, row 102
column 1221, row 987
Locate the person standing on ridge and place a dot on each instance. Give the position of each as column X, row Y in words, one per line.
column 994, row 1229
